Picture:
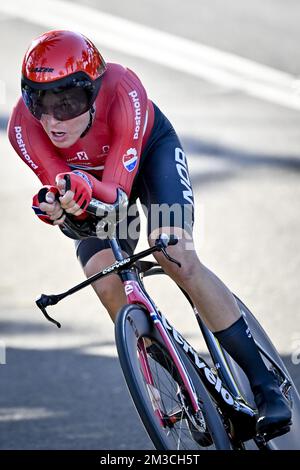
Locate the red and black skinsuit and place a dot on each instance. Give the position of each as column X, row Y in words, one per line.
column 130, row 145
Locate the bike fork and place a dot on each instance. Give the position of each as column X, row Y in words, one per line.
column 136, row 295
column 176, row 415
column 153, row 393
column 179, row 365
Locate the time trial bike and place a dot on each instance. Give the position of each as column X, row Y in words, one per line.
column 184, row 402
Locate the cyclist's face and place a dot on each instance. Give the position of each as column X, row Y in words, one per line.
column 63, row 134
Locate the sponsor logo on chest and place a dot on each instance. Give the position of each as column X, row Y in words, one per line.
column 130, row 159
column 83, row 157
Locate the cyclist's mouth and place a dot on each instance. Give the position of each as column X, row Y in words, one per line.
column 58, row 136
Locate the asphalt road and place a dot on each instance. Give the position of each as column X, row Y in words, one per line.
column 63, row 389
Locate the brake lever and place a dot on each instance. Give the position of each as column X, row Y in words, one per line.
column 46, row 300
column 162, row 244
column 170, row 257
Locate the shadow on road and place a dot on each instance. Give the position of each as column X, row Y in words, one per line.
column 235, row 155
column 63, row 399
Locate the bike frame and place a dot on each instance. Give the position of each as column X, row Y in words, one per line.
column 137, row 295
column 218, row 381
column 225, row 394
column 216, row 351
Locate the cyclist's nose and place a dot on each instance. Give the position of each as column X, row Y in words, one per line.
column 50, row 120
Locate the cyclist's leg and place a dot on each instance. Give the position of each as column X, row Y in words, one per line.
column 95, row 254
column 165, row 191
column 209, row 294
column 109, row 290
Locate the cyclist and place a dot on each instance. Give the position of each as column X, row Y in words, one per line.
column 91, row 123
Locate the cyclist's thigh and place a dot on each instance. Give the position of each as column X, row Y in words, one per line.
column 95, row 254
column 109, row 290
column 87, row 249
column 164, row 186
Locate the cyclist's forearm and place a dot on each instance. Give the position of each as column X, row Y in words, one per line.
column 104, row 191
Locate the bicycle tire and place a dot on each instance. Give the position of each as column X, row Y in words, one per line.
column 289, row 441
column 131, row 325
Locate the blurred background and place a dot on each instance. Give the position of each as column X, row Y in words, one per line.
column 226, row 75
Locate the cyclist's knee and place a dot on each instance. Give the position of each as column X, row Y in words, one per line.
column 189, row 269
column 184, row 252
column 107, row 289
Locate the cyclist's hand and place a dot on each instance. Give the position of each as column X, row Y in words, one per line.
column 46, row 206
column 76, row 191
column 53, row 209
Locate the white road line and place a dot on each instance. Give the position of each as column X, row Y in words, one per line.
column 177, row 53
column 2, row 92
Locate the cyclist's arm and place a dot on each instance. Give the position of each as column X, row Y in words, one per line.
column 31, row 143
column 126, row 119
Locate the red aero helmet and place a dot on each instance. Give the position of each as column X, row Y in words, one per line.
column 61, row 74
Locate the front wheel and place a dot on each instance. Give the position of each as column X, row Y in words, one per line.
column 161, row 401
